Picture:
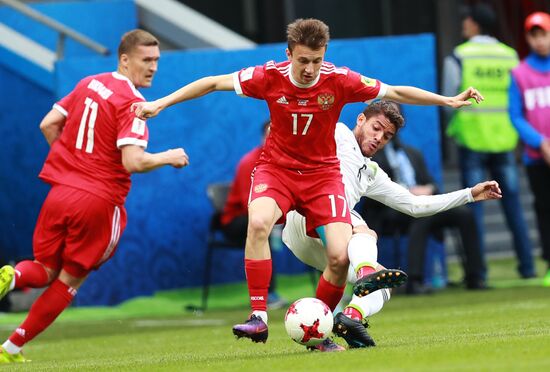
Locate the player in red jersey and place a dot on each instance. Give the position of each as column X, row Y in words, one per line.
column 95, row 144
column 298, row 168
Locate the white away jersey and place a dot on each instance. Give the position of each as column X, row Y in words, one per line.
column 363, row 177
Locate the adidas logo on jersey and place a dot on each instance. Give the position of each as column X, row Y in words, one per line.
column 282, row 101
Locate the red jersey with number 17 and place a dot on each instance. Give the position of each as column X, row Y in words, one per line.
column 87, row 155
column 304, row 117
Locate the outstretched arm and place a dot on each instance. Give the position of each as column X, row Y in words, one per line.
column 196, row 89
column 417, row 96
column 399, row 198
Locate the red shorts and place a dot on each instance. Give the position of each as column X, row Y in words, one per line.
column 318, row 195
column 77, row 231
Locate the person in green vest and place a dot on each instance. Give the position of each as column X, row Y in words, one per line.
column 485, row 136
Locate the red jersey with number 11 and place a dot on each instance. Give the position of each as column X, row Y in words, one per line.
column 303, row 118
column 87, row 155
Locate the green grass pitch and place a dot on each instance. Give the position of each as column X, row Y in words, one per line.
column 503, row 329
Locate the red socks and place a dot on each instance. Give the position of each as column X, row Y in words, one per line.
column 30, row 274
column 43, row 312
column 329, row 293
column 258, row 277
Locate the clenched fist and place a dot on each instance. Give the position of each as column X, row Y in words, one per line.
column 177, row 158
column 145, row 110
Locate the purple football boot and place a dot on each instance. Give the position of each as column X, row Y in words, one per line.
column 254, row 328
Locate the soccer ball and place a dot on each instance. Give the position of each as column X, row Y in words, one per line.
column 309, row 321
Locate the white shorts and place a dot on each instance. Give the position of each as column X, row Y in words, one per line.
column 311, row 251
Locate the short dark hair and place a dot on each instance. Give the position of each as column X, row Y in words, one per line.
column 484, row 15
column 389, row 109
column 133, row 39
column 309, row 32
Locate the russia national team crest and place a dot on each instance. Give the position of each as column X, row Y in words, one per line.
column 325, row 100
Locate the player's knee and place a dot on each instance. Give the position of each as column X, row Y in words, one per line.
column 338, row 263
column 258, row 227
column 364, row 229
column 51, row 273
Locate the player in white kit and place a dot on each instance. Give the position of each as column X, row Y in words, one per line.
column 375, row 126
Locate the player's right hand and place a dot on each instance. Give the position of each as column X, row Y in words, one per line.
column 145, row 110
column 178, row 158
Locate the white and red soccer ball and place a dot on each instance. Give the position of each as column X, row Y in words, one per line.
column 309, row 321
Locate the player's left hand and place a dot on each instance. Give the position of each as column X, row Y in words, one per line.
column 486, row 190
column 463, row 99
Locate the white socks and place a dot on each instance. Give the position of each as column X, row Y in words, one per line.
column 371, row 303
column 362, row 251
column 261, row 314
column 10, row 347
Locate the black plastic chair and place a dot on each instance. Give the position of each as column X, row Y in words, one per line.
column 217, row 194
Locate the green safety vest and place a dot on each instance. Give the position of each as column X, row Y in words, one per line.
column 485, row 127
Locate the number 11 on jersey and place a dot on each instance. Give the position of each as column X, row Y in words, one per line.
column 88, row 117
